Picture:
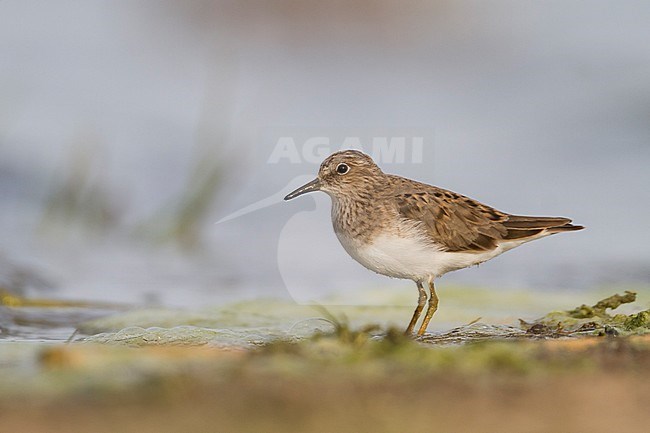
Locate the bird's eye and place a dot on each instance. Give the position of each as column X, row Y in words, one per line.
column 342, row 168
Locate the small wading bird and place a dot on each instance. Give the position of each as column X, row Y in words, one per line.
column 406, row 229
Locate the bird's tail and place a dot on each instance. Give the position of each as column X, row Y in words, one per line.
column 520, row 227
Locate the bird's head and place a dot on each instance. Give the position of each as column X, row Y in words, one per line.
column 342, row 173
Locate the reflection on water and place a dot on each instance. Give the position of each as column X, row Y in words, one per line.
column 45, row 324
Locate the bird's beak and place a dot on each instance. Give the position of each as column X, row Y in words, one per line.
column 314, row 185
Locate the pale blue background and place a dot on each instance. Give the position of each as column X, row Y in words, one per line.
column 535, row 107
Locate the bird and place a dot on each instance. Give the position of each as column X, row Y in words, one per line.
column 407, row 229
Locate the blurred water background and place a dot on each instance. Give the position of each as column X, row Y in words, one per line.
column 128, row 129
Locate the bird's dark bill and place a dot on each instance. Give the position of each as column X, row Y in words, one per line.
column 314, row 185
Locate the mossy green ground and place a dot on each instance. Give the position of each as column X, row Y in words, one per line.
column 552, row 374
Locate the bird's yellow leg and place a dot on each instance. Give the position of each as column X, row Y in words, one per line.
column 433, row 306
column 422, row 299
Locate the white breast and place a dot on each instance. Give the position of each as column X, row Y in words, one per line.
column 412, row 257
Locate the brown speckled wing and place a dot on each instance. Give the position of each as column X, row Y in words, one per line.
column 461, row 224
column 452, row 222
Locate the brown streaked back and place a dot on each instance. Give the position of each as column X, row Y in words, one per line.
column 459, row 223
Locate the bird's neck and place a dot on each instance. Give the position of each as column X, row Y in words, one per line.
column 352, row 216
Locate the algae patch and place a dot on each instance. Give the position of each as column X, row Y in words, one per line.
column 637, row 321
column 249, row 325
column 600, row 308
column 593, row 320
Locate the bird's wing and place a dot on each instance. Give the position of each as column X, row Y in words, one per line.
column 461, row 224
